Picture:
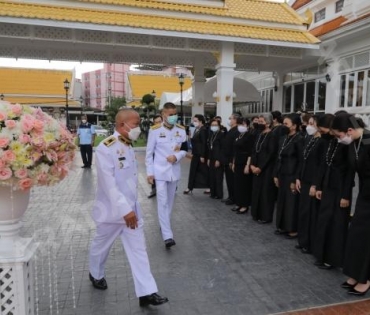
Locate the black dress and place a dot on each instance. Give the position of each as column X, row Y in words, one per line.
column 243, row 147
column 313, row 153
column 332, row 220
column 357, row 255
column 264, row 190
column 227, row 158
column 216, row 174
column 287, row 170
column 198, row 174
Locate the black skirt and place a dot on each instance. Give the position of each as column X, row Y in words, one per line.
column 357, row 256
column 242, row 186
column 198, row 174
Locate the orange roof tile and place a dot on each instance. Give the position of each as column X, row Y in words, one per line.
column 300, row 3
column 328, row 26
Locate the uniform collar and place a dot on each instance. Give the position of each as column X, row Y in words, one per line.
column 122, row 139
column 168, row 126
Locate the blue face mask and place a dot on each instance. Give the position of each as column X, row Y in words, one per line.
column 172, row 119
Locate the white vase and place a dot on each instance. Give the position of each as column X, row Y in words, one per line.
column 13, row 205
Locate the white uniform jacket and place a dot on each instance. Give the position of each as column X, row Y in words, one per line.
column 163, row 142
column 117, row 191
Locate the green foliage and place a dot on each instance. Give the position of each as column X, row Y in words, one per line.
column 116, row 104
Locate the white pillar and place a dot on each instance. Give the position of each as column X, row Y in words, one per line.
column 225, row 80
column 277, row 103
column 198, row 88
column 333, row 88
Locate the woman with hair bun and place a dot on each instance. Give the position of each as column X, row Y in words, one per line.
column 287, row 170
column 335, row 192
column 351, row 131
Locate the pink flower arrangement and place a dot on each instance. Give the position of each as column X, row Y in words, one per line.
column 35, row 149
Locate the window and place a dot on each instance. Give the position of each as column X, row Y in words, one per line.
column 320, row 15
column 351, row 86
column 310, row 96
column 342, row 90
column 287, row 99
column 360, row 88
column 298, row 97
column 339, row 6
column 321, row 99
column 355, row 89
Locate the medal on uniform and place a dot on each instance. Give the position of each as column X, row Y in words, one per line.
column 121, row 159
column 162, row 135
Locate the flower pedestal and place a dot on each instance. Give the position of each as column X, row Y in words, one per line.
column 16, row 255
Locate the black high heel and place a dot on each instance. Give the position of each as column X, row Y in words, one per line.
column 346, row 285
column 188, row 192
column 242, row 211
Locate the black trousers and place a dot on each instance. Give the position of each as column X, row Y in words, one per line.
column 229, row 175
column 216, row 177
column 86, row 154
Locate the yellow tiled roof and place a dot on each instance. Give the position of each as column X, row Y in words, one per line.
column 47, row 101
column 33, row 81
column 261, row 10
column 144, row 84
column 187, row 25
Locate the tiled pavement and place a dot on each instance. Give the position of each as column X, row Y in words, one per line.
column 223, row 263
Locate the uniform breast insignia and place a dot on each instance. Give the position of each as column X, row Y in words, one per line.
column 109, row 141
column 121, row 164
column 177, row 134
column 162, row 135
column 180, row 126
column 154, row 127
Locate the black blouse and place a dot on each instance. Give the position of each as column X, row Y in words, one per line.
column 199, row 142
column 215, row 145
column 265, row 150
column 243, row 147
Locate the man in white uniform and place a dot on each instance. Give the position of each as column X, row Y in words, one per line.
column 165, row 141
column 117, row 212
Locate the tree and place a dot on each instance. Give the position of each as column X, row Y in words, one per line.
column 116, row 104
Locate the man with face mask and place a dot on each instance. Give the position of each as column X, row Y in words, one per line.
column 165, row 140
column 116, row 211
column 86, row 138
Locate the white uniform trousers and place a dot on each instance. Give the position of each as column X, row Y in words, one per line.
column 133, row 242
column 165, row 197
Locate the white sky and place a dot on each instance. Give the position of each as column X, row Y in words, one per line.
column 54, row 65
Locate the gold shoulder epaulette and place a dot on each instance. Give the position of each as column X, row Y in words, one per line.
column 180, row 126
column 109, row 141
column 154, row 127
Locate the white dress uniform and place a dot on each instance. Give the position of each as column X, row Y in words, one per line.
column 117, row 195
column 163, row 142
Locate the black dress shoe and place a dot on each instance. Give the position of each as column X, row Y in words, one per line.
column 98, row 284
column 229, row 202
column 235, row 208
column 326, row 267
column 188, row 192
column 244, row 211
column 153, row 299
column 353, row 291
column 152, row 194
column 169, row 243
column 346, row 285
column 305, row 250
column 280, row 232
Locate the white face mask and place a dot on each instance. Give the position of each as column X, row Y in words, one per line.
column 347, row 140
column 311, row 130
column 196, row 124
column 242, row 129
column 134, row 133
column 215, row 128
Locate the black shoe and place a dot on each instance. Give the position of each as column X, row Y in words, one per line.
column 217, row 197
column 242, row 211
column 188, row 192
column 98, row 284
column 153, row 299
column 353, row 291
column 291, row 237
column 325, row 267
column 169, row 243
column 318, row 263
column 280, row 232
column 229, row 202
column 236, row 208
column 206, row 192
column 152, row 194
column 305, row 250
column 346, row 285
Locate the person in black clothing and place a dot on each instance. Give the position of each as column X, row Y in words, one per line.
column 351, row 131
column 216, row 174
column 198, row 174
column 314, row 150
column 243, row 147
column 287, row 170
column 262, row 166
column 227, row 157
column 254, row 125
column 277, row 125
column 222, row 128
column 334, row 189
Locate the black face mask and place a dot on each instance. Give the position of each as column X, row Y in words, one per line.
column 255, row 125
column 285, row 130
column 327, row 136
column 261, row 127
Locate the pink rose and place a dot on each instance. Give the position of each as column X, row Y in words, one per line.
column 38, row 141
column 22, row 173
column 8, row 156
column 26, row 125
column 25, row 183
column 10, row 124
column 5, row 173
column 4, row 142
column 38, row 125
column 17, row 109
column 24, row 138
column 3, row 116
